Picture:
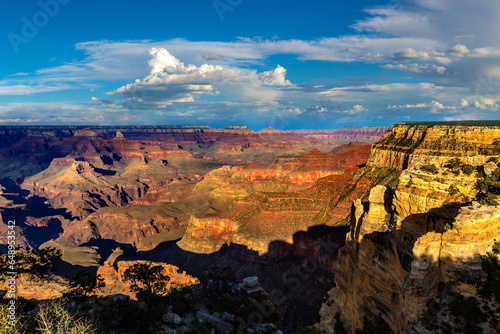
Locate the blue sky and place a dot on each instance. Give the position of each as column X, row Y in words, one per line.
column 284, row 64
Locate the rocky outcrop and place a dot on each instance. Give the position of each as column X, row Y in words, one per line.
column 375, row 276
column 412, row 145
column 376, row 219
column 114, row 277
column 210, row 234
column 128, row 225
column 122, row 174
column 406, row 241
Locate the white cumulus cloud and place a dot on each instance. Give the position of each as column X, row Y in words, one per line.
column 275, row 77
column 170, row 80
column 459, row 50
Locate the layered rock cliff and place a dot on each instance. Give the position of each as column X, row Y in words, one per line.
column 411, row 145
column 407, row 242
column 127, row 225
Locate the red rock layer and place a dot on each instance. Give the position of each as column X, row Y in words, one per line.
column 261, row 218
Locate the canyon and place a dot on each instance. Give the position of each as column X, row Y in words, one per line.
column 192, row 197
column 363, row 225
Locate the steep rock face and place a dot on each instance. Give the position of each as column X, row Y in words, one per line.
column 409, row 145
column 405, row 241
column 284, row 199
column 347, row 147
column 472, row 235
column 210, row 233
column 376, row 277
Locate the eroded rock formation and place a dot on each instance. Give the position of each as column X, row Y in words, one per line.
column 409, row 145
column 406, row 241
column 113, row 276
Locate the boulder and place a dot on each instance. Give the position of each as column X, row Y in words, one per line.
column 489, row 168
column 251, row 282
column 172, row 318
column 218, row 323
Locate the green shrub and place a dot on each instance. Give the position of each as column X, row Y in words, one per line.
column 84, row 283
column 199, row 328
column 453, row 190
column 453, row 163
column 468, row 169
column 496, row 247
column 489, row 189
column 119, row 316
column 38, row 263
column 179, row 301
column 430, row 169
column 147, row 281
column 491, row 199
